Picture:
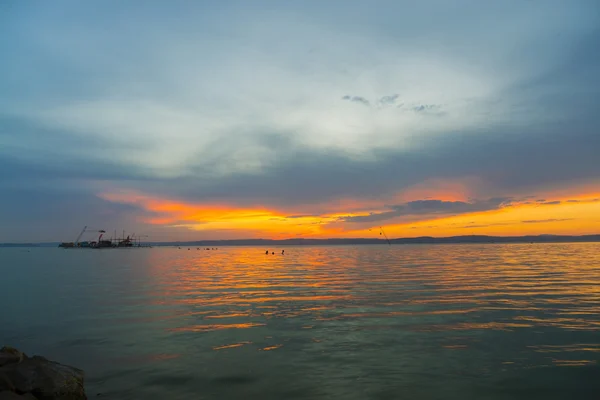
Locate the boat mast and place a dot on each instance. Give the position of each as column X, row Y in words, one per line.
column 386, row 238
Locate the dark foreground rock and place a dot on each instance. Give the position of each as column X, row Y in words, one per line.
column 23, row 378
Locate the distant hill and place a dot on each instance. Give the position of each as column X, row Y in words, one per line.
column 20, row 245
column 360, row 241
column 364, row 241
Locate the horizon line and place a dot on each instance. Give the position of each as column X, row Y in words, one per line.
column 508, row 237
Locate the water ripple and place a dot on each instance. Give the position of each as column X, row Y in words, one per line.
column 320, row 322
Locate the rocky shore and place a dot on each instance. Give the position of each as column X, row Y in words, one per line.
column 23, row 377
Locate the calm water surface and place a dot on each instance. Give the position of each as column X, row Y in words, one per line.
column 364, row 322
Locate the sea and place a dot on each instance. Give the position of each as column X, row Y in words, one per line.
column 472, row 321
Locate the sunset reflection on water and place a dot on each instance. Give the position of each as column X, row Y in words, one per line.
column 477, row 321
column 502, row 287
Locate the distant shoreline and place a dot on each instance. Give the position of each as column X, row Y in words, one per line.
column 470, row 239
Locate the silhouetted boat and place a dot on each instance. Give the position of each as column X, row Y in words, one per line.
column 100, row 243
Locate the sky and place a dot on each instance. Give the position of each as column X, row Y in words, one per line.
column 187, row 120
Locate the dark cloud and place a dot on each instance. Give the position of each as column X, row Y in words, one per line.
column 583, row 201
column 357, row 99
column 66, row 169
column 503, row 158
column 393, row 101
column 539, row 221
column 384, row 101
column 432, row 208
column 389, row 100
column 549, row 203
column 426, row 108
column 59, row 214
column 559, row 149
column 42, row 154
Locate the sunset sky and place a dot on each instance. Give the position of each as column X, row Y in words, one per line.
column 189, row 120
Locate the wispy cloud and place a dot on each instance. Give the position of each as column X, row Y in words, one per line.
column 478, row 226
column 357, row 99
column 548, row 203
column 541, row 221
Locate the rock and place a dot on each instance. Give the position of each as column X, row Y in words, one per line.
column 38, row 378
column 5, row 383
column 9, row 355
column 6, row 395
column 13, row 396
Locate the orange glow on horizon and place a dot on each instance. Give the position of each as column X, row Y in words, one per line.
column 572, row 215
column 576, row 215
column 219, row 217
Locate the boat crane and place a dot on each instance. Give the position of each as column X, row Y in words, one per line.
column 87, row 229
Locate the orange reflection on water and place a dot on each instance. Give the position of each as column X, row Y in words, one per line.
column 225, row 315
column 473, row 326
column 456, row 346
column 416, row 288
column 231, row 346
column 269, row 348
column 570, row 323
column 396, row 314
column 214, row 327
column 573, row 363
column 593, row 347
